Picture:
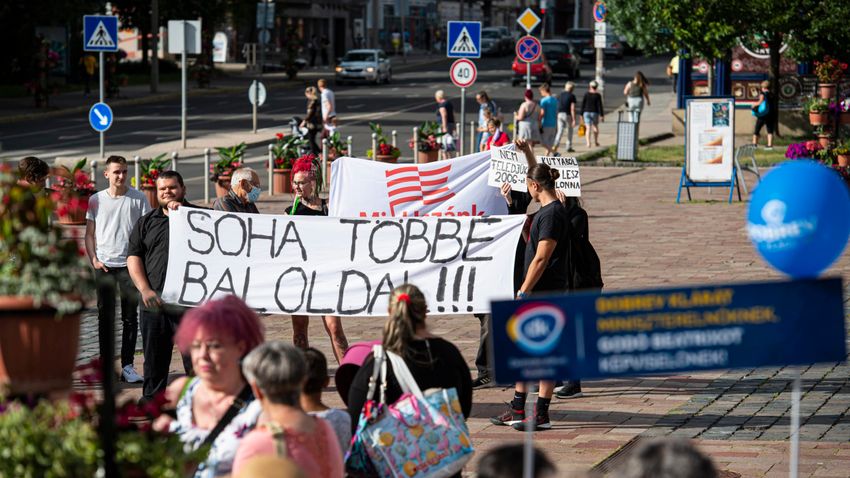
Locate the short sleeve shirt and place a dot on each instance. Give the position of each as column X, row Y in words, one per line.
column 114, row 218
column 549, row 105
column 550, row 222
column 328, row 97
column 565, row 102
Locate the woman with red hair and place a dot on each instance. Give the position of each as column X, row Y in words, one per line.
column 308, row 203
column 216, row 407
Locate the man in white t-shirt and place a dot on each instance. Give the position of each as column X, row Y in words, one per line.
column 110, row 218
column 328, row 108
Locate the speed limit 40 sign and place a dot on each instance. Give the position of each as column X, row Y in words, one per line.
column 463, row 73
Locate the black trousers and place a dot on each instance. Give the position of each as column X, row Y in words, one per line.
column 158, row 328
column 482, row 358
column 121, row 282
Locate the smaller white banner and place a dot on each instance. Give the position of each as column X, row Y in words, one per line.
column 508, row 166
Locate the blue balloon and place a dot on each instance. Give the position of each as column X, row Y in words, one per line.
column 799, row 218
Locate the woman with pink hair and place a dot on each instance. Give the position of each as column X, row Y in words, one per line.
column 216, row 407
column 308, row 203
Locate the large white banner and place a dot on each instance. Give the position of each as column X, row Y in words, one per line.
column 339, row 266
column 455, row 187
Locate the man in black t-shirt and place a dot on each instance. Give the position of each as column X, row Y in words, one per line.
column 147, row 263
column 566, row 117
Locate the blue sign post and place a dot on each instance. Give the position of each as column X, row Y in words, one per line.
column 100, row 117
column 464, row 40
column 100, row 34
column 590, row 335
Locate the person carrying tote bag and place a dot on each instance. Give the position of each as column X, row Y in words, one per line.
column 401, row 431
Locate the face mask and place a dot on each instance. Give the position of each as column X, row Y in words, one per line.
column 254, row 194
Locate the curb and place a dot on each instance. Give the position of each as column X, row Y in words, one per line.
column 171, row 96
column 597, row 156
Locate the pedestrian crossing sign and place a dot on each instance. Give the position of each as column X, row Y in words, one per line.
column 100, row 33
column 464, row 40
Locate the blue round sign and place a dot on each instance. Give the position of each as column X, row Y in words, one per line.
column 799, row 218
column 100, row 117
column 528, row 49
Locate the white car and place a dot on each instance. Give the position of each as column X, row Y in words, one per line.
column 364, row 65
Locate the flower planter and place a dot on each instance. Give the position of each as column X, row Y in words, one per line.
column 222, row 186
column 37, row 352
column 386, row 158
column 827, row 90
column 818, row 118
column 282, row 181
column 842, row 159
column 150, row 193
column 427, row 156
column 824, row 140
column 71, row 213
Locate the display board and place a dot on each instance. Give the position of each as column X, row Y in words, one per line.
column 709, row 139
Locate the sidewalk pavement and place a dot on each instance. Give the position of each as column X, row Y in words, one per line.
column 739, row 417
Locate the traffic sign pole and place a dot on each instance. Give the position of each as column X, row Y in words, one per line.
column 100, row 73
column 462, row 111
column 254, row 106
column 600, row 67
column 183, row 68
column 528, row 76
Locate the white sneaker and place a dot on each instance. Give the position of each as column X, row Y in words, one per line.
column 129, row 375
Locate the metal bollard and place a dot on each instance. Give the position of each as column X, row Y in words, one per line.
column 206, row 172
column 472, row 132
column 415, row 145
column 395, row 137
column 137, row 172
column 174, row 157
column 350, row 142
column 374, row 146
column 514, row 137
column 94, row 172
column 271, row 170
column 325, row 164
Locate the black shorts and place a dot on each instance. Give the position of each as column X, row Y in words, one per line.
column 766, row 120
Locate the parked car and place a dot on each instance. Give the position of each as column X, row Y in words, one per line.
column 364, row 65
column 492, row 42
column 562, row 57
column 540, row 71
column 582, row 40
column 615, row 47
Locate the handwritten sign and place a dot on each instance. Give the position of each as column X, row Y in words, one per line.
column 339, row 266
column 509, row 166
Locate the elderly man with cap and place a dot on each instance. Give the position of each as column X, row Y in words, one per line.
column 244, row 193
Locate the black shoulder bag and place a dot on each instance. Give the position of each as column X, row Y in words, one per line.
column 244, row 396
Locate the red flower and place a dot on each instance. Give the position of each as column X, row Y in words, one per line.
column 279, row 136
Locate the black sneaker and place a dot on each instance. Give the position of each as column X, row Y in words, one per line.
column 509, row 418
column 570, row 390
column 571, row 150
column 483, row 381
column 541, row 422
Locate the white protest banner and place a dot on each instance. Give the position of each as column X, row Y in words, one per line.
column 456, row 187
column 339, row 266
column 509, row 166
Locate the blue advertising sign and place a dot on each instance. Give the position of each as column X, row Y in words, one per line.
column 464, row 40
column 591, row 335
column 100, row 117
column 100, row 33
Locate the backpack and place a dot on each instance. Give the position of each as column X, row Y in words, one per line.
column 585, row 269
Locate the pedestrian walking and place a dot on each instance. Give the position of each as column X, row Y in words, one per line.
column 673, row 71
column 566, row 116
column 485, row 104
column 312, row 121
column 593, row 112
column 312, row 50
column 308, row 203
column 276, row 372
column 216, row 407
column 446, row 120
column 548, row 119
column 323, row 50
column 544, row 271
column 147, row 260
column 766, row 115
column 433, row 362
column 636, row 92
column 110, row 218
column 528, row 119
column 89, row 63
column 244, row 193
column 328, row 101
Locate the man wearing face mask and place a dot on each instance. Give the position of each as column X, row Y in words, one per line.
column 244, row 193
